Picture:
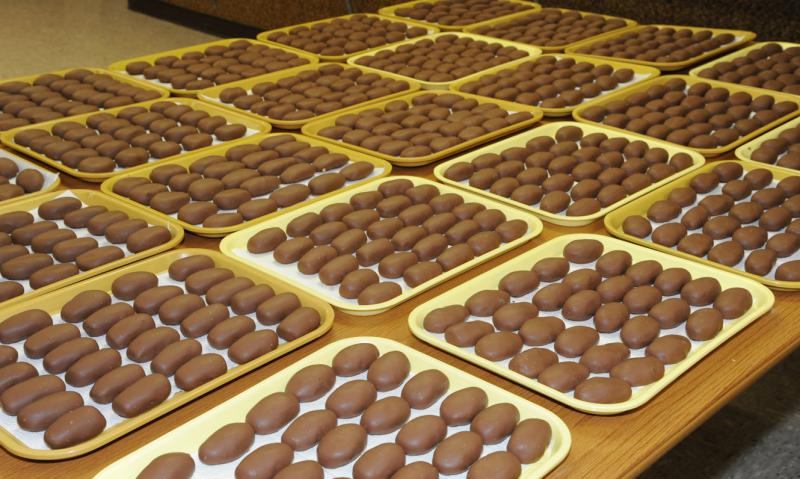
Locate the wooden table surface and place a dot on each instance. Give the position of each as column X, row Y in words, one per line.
column 602, row 446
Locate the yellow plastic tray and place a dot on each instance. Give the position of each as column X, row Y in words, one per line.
column 613, row 221
column 312, row 129
column 119, row 66
column 252, row 124
column 185, row 161
column 742, row 37
column 695, row 72
column 550, row 129
column 211, row 95
column 390, row 12
column 188, row 437
column 762, row 302
column 502, row 21
column 641, row 73
column 444, row 85
column 707, row 152
column 52, row 304
column 51, row 178
column 137, row 82
column 745, row 151
column 264, row 36
column 90, row 197
column 235, row 246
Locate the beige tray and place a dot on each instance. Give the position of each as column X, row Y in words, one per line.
column 211, row 95
column 235, row 246
column 745, row 151
column 502, row 21
column 707, row 152
column 762, row 302
column 641, row 73
column 382, row 169
column 695, row 72
column 390, row 12
column 52, row 304
column 188, row 437
column 742, row 37
column 137, row 82
column 119, row 66
column 88, row 197
column 264, row 36
column 613, row 222
column 312, row 129
column 444, row 85
column 253, row 125
column 550, row 129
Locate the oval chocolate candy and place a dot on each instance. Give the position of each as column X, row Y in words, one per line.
column 389, row 371
column 341, row 445
column 354, row 359
column 91, row 367
column 23, row 324
column 40, row 414
column 199, row 370
column 113, row 382
column 311, row 383
column 226, row 444
column 74, row 427
column 175, row 465
column 141, row 396
column 421, row 434
column 351, row 398
column 307, row 430
column 265, row 461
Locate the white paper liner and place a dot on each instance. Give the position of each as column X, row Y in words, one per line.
column 718, row 191
column 456, row 383
column 605, row 338
column 330, row 293
column 35, row 440
column 563, row 213
column 79, row 233
column 377, row 171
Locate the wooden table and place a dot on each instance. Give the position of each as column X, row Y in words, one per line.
column 602, row 446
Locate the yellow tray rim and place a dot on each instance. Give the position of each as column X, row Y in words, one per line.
column 561, row 439
column 108, row 186
column 613, row 221
column 390, row 10
column 159, row 263
column 746, row 36
column 548, row 49
column 763, row 300
column 566, row 111
column 119, row 65
column 745, row 151
column 211, row 95
column 263, row 37
column 444, row 85
column 695, row 72
column 311, row 129
column 690, row 80
column 7, row 137
column 90, row 197
column 240, row 238
column 549, row 130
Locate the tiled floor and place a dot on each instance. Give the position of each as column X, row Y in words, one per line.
column 755, row 436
